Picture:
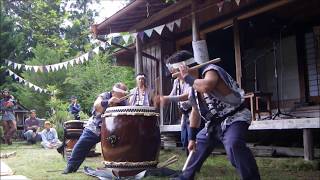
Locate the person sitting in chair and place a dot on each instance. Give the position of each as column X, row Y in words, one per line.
column 49, row 137
column 32, row 127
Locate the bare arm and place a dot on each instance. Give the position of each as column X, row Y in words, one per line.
column 195, row 118
column 208, row 83
column 97, row 105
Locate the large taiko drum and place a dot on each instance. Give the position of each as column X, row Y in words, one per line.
column 130, row 139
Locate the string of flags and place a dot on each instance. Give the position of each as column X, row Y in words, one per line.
column 56, row 67
column 27, row 83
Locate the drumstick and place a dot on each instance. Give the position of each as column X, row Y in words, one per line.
column 187, row 161
column 125, row 97
column 168, row 162
column 174, row 75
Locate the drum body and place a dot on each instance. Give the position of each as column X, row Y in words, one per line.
column 72, row 132
column 130, row 138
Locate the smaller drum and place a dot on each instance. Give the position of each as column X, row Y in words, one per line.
column 72, row 132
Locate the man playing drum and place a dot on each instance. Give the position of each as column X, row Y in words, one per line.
column 91, row 133
column 217, row 98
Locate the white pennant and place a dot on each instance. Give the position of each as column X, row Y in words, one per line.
column 19, row 66
column 15, row 65
column 9, row 63
column 96, row 50
column 170, row 26
column 148, row 32
column 65, row 64
column 48, row 68
column 72, row 62
column 20, row 80
column 15, row 77
column 81, row 59
column 178, row 22
column 36, row 68
column 78, row 60
column 60, row 65
column 36, row 88
column 40, row 90
column 126, row 38
column 220, row 5
column 238, row 2
column 159, row 29
column 10, row 73
column 30, row 85
column 86, row 56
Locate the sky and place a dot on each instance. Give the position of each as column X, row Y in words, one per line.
column 106, row 8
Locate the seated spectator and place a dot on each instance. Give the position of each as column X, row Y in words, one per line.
column 49, row 137
column 32, row 128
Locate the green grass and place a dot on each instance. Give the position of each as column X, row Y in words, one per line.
column 34, row 162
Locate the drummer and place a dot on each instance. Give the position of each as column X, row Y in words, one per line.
column 141, row 95
column 91, row 133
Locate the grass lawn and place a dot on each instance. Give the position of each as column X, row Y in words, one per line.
column 34, row 162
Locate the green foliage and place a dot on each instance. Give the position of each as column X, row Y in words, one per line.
column 96, row 77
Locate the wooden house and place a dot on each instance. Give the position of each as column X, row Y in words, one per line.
column 271, row 47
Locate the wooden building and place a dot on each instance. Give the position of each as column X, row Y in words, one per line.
column 271, row 47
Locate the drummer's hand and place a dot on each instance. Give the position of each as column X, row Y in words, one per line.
column 113, row 101
column 163, row 100
column 184, row 70
column 192, row 145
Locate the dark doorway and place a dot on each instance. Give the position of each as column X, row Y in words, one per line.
column 220, row 44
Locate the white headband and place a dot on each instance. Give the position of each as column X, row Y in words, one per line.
column 176, row 65
column 140, row 76
column 115, row 89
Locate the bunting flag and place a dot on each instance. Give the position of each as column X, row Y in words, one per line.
column 238, row 2
column 56, row 67
column 220, row 5
column 159, row 29
column 25, row 82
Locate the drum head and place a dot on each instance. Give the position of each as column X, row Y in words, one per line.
column 130, row 110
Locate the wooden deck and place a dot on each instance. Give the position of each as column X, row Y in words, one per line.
column 305, row 124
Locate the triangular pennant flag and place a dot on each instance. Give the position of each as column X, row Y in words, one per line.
column 20, row 80
column 10, row 73
column 15, row 65
column 109, row 40
column 60, row 66
column 178, row 22
column 81, row 59
column 36, row 68
column 40, row 90
column 126, row 38
column 19, row 66
column 72, row 62
column 65, row 64
column 15, row 77
column 148, row 32
column 86, row 56
column 78, row 60
column 170, row 26
column 36, row 88
column 220, row 5
column 159, row 29
column 27, row 67
column 30, row 85
column 96, row 50
column 9, row 62
column 238, row 2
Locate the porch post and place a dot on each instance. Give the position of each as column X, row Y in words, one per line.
column 237, row 51
column 307, row 144
column 195, row 29
column 138, row 64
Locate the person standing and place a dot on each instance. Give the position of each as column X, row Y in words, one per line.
column 217, row 98
column 32, row 128
column 74, row 108
column 141, row 95
column 179, row 94
column 7, row 107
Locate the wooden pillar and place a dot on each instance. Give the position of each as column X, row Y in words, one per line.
column 195, row 29
column 237, row 51
column 307, row 144
column 138, row 64
column 161, row 91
